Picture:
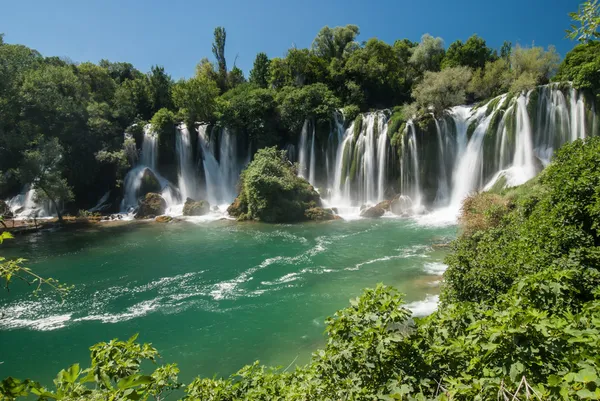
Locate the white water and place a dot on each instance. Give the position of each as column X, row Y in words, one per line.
column 187, row 177
column 505, row 142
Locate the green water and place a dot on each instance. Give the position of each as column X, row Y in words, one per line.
column 211, row 297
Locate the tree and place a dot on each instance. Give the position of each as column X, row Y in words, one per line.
column 376, row 69
column 159, row 88
column 443, row 89
column 41, row 168
column 259, row 75
column 428, row 54
column 582, row 67
column 506, row 50
column 335, row 42
column 473, row 53
column 218, row 49
column 588, row 18
column 532, row 66
column 195, row 98
column 235, row 77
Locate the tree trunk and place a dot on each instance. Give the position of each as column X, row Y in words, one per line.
column 58, row 213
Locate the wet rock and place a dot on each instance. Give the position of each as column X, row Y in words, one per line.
column 372, row 212
column 385, row 205
column 321, row 214
column 195, row 208
column 149, row 183
column 401, row 205
column 151, row 206
column 163, row 219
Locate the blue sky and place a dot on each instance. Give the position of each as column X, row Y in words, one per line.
column 178, row 33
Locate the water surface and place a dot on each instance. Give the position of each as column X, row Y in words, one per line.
column 210, row 296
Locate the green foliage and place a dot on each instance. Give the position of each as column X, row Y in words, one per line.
column 218, row 49
column 335, row 42
column 259, row 75
column 315, row 101
column 11, row 269
column 532, row 66
column 271, row 191
column 582, row 67
column 196, row 99
column 473, row 53
column 493, row 80
column 442, row 89
column 588, row 18
column 252, row 111
column 428, row 55
column 42, row 169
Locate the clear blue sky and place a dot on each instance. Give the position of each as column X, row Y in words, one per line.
column 178, row 33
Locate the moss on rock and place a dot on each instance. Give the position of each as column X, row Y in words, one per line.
column 151, row 206
column 271, row 191
column 195, row 208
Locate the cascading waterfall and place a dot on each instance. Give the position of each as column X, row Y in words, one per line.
column 221, row 175
column 149, row 157
column 361, row 163
column 434, row 163
column 187, row 177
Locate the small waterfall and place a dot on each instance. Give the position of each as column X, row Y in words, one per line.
column 23, row 205
column 382, row 150
column 149, row 157
column 442, row 191
column 312, row 169
column 303, row 152
column 414, row 194
column 467, row 173
column 221, row 175
column 187, row 177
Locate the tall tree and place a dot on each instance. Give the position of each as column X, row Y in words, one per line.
column 428, row 54
column 160, row 84
column 506, row 50
column 218, row 49
column 41, row 168
column 259, row 74
column 235, row 77
column 335, row 42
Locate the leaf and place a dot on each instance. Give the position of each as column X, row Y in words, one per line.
column 133, row 381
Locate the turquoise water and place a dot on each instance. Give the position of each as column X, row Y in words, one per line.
column 212, row 296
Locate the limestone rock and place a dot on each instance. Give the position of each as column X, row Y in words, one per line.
column 401, row 205
column 195, row 208
column 163, row 219
column 149, row 183
column 152, row 205
column 373, row 212
column 321, row 214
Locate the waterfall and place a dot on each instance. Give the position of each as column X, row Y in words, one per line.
column 187, row 177
column 221, row 175
column 24, row 206
column 302, row 151
column 382, row 149
column 149, row 157
column 312, row 169
column 415, row 193
column 433, row 163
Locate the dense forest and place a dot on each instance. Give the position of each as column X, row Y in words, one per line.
column 63, row 123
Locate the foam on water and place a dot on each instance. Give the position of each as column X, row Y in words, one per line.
column 425, row 307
